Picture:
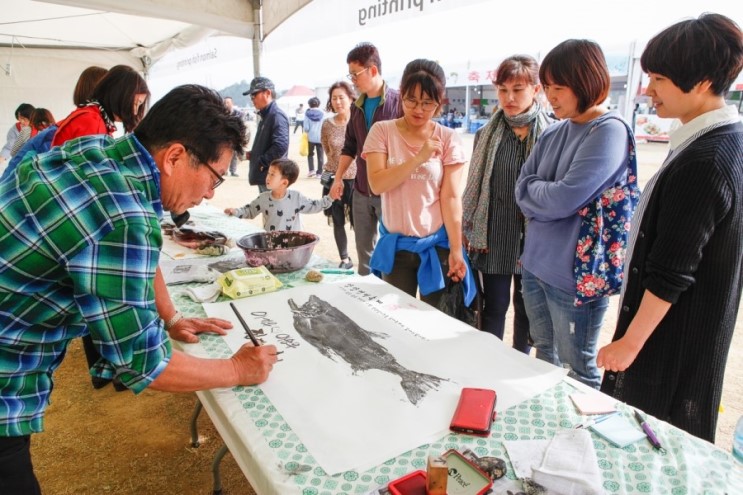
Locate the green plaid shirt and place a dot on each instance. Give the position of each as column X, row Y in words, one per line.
column 80, row 237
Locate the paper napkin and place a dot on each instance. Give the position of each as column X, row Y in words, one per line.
column 593, row 403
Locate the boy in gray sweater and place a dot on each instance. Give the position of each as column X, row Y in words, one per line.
column 280, row 205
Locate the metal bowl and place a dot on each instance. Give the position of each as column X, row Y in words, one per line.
column 280, row 251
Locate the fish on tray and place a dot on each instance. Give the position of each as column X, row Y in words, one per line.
column 199, row 239
column 331, row 332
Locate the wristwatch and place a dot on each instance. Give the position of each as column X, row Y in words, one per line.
column 178, row 316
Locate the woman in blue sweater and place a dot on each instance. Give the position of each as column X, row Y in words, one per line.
column 572, row 164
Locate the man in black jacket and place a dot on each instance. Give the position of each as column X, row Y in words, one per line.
column 272, row 136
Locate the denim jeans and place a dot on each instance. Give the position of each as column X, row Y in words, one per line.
column 311, row 157
column 564, row 334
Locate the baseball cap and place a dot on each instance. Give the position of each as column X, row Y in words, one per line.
column 259, row 84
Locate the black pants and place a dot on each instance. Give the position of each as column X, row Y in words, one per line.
column 16, row 471
column 497, row 295
column 404, row 274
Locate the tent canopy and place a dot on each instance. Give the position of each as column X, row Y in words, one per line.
column 45, row 45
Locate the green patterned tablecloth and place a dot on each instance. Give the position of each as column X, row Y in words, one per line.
column 689, row 466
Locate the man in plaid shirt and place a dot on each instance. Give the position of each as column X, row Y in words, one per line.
column 80, row 237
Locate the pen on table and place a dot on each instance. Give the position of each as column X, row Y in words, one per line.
column 337, row 271
column 248, row 331
column 648, row 431
column 598, row 419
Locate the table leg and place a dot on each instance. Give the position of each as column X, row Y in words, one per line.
column 194, row 417
column 215, row 470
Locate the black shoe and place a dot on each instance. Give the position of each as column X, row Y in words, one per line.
column 120, row 387
column 346, row 265
column 234, row 174
column 99, row 383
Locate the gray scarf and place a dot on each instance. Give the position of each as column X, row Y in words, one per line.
column 476, row 199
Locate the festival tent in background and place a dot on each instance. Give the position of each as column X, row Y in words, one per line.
column 290, row 100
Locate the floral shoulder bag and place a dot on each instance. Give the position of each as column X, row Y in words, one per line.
column 603, row 236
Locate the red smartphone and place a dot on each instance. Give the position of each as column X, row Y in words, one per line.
column 475, row 411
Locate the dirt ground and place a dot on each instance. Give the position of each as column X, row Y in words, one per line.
column 101, row 441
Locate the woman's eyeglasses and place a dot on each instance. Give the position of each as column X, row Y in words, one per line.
column 426, row 105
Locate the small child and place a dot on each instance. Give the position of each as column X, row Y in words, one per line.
column 280, row 206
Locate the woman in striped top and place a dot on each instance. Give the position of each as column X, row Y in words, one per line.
column 493, row 224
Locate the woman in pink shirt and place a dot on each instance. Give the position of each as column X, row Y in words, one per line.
column 415, row 165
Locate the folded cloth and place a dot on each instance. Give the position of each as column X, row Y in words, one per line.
column 570, row 466
column 204, row 293
column 430, row 275
column 184, row 272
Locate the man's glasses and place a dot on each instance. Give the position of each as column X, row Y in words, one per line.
column 253, row 95
column 426, row 105
column 353, row 75
column 218, row 178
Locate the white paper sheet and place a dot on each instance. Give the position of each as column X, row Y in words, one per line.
column 351, row 414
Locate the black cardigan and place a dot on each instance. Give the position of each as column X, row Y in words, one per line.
column 689, row 252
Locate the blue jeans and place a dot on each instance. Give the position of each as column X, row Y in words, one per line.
column 564, row 334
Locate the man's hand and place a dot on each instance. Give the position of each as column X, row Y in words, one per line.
column 253, row 364
column 187, row 329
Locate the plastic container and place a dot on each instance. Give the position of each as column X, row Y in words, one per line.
column 738, row 441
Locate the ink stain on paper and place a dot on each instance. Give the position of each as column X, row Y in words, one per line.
column 332, row 332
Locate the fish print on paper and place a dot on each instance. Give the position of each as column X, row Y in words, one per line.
column 333, row 333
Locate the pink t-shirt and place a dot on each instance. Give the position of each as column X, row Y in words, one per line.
column 413, row 208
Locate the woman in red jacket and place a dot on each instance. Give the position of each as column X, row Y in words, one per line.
column 121, row 96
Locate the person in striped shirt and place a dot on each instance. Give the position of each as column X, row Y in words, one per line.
column 80, row 230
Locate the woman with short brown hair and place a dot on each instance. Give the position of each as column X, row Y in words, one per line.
column 585, row 159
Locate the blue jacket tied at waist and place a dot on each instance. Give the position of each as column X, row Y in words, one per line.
column 430, row 275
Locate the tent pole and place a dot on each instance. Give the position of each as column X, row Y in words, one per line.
column 257, row 36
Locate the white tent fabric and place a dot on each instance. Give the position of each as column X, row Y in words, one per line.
column 44, row 45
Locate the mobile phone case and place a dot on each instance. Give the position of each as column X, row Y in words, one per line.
column 475, row 411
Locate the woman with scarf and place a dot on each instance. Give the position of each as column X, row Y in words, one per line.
column 415, row 164
column 492, row 223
